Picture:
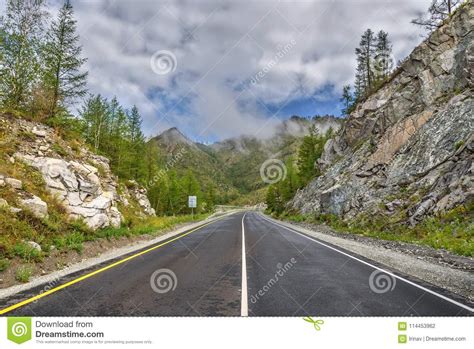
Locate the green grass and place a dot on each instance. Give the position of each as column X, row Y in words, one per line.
column 26, row 252
column 75, row 241
column 150, row 226
column 452, row 231
column 23, row 273
column 4, row 264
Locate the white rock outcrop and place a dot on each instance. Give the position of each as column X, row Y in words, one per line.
column 79, row 188
column 36, row 206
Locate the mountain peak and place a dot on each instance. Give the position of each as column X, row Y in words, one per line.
column 173, row 136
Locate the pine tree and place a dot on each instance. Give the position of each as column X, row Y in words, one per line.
column 135, row 122
column 347, row 99
column 438, row 11
column 309, row 152
column 383, row 61
column 137, row 143
column 360, row 84
column 21, row 34
column 118, row 144
column 365, row 54
column 62, row 60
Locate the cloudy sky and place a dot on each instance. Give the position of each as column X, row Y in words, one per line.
column 217, row 69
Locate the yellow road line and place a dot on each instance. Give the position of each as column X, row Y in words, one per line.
column 75, row 281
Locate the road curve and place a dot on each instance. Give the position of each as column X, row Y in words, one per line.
column 200, row 274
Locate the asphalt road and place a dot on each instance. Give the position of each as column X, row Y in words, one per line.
column 200, row 274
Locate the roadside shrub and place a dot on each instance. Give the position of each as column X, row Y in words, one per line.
column 26, row 252
column 23, row 273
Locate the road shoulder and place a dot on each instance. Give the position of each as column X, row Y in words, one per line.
column 454, row 280
column 109, row 255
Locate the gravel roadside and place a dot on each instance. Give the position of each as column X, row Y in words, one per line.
column 438, row 267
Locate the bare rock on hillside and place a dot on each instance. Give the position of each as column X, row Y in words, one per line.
column 411, row 142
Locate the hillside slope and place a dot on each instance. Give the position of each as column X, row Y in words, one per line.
column 232, row 166
column 407, row 150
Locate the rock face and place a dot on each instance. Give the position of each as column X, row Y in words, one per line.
column 410, row 145
column 81, row 180
column 139, row 194
column 79, row 188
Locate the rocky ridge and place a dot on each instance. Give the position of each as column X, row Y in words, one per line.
column 409, row 147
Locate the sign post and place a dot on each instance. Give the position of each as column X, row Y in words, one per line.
column 192, row 203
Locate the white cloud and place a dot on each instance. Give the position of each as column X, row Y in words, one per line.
column 220, row 46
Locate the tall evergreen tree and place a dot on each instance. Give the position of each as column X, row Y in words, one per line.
column 347, row 99
column 137, row 143
column 62, row 60
column 21, row 33
column 360, row 83
column 135, row 122
column 383, row 61
column 309, row 152
column 365, row 54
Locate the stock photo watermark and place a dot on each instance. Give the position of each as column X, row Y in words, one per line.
column 163, row 281
column 282, row 269
column 163, row 62
column 282, row 51
column 273, row 171
column 380, row 282
column 170, row 163
column 383, row 63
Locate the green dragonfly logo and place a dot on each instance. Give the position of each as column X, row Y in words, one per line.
column 316, row 323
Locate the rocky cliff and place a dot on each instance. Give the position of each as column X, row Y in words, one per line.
column 79, row 180
column 408, row 148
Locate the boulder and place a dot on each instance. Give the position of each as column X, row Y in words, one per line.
column 34, row 245
column 98, row 221
column 116, row 217
column 35, row 205
column 101, row 202
column 14, row 183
